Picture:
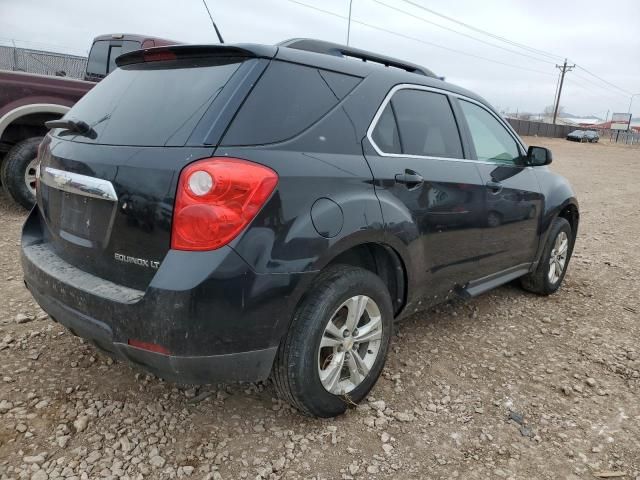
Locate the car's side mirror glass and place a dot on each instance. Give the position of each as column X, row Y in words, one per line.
column 538, row 156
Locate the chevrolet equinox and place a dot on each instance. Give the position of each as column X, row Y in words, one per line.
column 239, row 212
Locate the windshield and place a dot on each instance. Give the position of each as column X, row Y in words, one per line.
column 102, row 58
column 150, row 104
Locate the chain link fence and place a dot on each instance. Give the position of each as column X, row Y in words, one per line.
column 42, row 62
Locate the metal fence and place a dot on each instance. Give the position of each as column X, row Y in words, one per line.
column 541, row 129
column 42, row 62
column 628, row 138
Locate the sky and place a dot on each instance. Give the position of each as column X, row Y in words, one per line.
column 600, row 40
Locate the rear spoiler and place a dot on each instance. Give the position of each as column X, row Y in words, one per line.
column 185, row 52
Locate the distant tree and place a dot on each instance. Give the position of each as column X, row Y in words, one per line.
column 525, row 116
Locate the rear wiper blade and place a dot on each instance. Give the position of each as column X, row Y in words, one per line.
column 77, row 126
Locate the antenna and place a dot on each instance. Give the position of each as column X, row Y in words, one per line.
column 349, row 22
column 212, row 22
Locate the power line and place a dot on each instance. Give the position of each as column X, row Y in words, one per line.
column 471, row 27
column 603, row 80
column 484, row 32
column 511, row 42
column 610, row 95
column 610, row 91
column 419, row 40
column 461, row 33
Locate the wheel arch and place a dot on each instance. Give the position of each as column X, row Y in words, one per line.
column 379, row 258
column 28, row 116
column 570, row 211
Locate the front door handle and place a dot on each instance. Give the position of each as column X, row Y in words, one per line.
column 410, row 178
column 495, row 187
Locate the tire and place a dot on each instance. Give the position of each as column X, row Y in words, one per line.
column 494, row 219
column 297, row 367
column 539, row 281
column 14, row 167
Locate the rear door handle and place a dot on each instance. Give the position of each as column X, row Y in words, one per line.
column 410, row 178
column 495, row 187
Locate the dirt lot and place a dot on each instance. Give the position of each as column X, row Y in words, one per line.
column 566, row 369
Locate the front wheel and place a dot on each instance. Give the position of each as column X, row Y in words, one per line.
column 19, row 171
column 552, row 268
column 337, row 343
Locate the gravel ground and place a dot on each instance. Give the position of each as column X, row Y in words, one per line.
column 508, row 385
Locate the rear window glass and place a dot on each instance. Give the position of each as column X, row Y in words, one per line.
column 386, row 135
column 150, row 104
column 287, row 100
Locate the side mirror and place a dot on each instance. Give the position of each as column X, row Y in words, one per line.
column 538, row 156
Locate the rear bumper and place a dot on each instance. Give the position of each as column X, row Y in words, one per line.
column 219, row 320
column 239, row 366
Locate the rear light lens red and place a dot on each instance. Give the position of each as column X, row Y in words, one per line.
column 158, row 56
column 216, row 199
column 148, row 346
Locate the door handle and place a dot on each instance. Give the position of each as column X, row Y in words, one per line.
column 495, row 187
column 410, row 178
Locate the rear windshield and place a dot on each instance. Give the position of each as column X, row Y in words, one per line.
column 154, row 104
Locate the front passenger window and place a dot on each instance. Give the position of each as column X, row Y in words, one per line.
column 492, row 141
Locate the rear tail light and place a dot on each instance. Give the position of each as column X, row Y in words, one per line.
column 216, row 199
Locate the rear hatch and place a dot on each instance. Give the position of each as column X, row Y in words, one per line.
column 107, row 195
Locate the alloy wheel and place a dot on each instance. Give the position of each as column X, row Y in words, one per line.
column 350, row 345
column 30, row 174
column 558, row 257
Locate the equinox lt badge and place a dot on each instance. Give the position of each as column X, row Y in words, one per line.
column 143, row 262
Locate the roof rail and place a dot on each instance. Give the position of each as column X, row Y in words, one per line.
column 330, row 48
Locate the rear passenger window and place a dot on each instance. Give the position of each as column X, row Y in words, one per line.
column 287, row 100
column 385, row 135
column 425, row 125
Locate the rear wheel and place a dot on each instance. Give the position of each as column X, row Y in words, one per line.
column 551, row 269
column 19, row 171
column 337, row 344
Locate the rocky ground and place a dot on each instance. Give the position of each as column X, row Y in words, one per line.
column 508, row 385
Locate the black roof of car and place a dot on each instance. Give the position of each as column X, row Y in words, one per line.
column 319, row 53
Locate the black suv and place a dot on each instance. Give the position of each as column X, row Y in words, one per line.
column 216, row 213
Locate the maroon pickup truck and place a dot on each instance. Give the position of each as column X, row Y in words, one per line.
column 29, row 100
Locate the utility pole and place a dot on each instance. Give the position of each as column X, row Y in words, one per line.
column 564, row 68
column 631, row 101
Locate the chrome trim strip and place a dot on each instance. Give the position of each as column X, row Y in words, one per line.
column 79, row 184
column 411, row 86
